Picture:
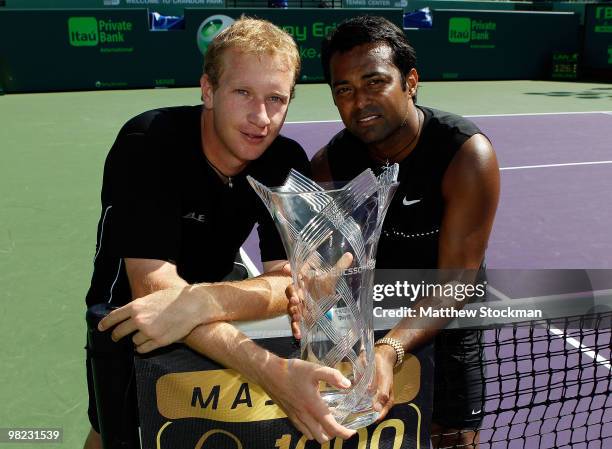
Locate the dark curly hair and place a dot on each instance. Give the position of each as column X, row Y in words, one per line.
column 363, row 30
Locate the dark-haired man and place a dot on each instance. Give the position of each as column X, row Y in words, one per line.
column 442, row 213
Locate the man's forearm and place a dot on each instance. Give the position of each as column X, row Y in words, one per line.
column 151, row 286
column 228, row 346
column 169, row 315
column 147, row 276
column 250, row 299
column 293, row 385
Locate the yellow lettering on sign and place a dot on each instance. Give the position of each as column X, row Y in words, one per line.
column 396, row 424
column 362, row 434
column 203, row 438
column 218, row 395
column 283, row 442
column 224, row 395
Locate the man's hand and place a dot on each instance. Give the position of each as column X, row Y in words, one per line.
column 385, row 357
column 293, row 385
column 159, row 319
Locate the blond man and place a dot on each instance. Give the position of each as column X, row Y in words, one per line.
column 176, row 207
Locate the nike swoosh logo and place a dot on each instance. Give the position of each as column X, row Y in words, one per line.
column 406, row 202
column 476, row 412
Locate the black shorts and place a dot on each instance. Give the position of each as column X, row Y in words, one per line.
column 123, row 402
column 459, row 387
column 92, row 412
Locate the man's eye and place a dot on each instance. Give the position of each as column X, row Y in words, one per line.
column 376, row 81
column 276, row 99
column 342, row 90
column 242, row 92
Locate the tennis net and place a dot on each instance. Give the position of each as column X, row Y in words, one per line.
column 546, row 384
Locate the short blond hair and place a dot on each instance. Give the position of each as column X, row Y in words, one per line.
column 251, row 36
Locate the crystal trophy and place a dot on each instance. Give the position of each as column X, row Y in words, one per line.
column 330, row 236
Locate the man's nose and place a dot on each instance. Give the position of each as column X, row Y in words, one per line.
column 362, row 99
column 258, row 115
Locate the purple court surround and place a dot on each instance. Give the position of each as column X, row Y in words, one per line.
column 548, row 217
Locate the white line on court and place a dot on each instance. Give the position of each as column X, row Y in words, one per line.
column 476, row 115
column 248, row 263
column 584, row 349
column 520, row 114
column 497, row 293
column 559, row 333
column 305, row 122
column 568, row 164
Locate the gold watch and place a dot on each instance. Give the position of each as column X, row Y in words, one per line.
column 396, row 345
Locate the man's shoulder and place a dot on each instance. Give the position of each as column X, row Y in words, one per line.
column 155, row 134
column 160, row 118
column 450, row 121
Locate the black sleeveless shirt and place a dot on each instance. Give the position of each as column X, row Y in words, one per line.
column 411, row 229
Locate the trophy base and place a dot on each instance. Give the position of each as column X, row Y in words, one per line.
column 363, row 415
column 358, row 420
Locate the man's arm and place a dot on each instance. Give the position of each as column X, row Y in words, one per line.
column 145, row 276
column 149, row 275
column 470, row 188
column 471, row 191
column 292, row 384
column 172, row 308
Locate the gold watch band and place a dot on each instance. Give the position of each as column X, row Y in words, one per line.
column 396, row 345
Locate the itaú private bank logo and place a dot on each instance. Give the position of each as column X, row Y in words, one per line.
column 463, row 30
column 89, row 31
column 209, row 29
column 459, row 30
column 83, row 31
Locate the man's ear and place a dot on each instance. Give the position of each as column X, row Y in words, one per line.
column 207, row 90
column 412, row 82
